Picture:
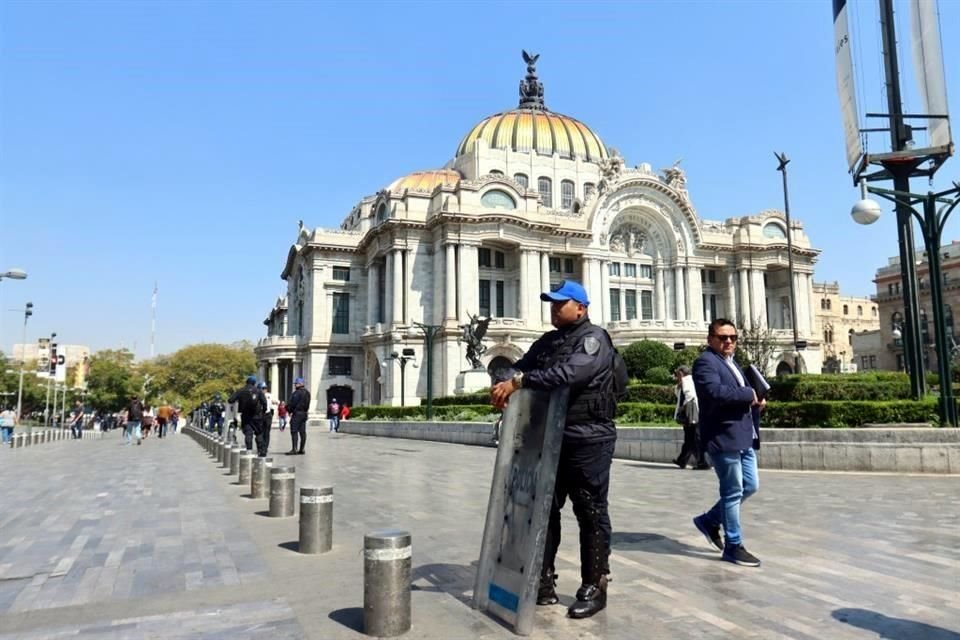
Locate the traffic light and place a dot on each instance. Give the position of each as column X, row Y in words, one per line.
column 53, row 358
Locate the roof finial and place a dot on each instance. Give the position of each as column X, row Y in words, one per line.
column 531, row 89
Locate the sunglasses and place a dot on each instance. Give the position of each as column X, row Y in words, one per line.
column 732, row 338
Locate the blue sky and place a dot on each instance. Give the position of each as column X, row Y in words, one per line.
column 180, row 142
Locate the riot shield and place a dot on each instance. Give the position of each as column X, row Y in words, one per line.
column 518, row 513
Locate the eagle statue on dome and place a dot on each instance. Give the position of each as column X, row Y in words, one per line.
column 531, row 61
column 531, row 89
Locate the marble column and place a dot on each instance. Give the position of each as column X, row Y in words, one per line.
column 544, row 286
column 388, row 291
column 524, row 298
column 730, row 312
column 373, row 288
column 678, row 279
column 605, row 291
column 450, row 299
column 469, row 278
column 759, row 297
column 397, row 317
column 660, row 292
column 623, row 302
column 745, row 307
column 275, row 381
column 695, row 294
column 408, row 258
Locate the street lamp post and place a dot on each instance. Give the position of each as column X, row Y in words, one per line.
column 403, row 358
column 14, row 274
column 782, row 168
column 46, row 407
column 430, row 332
column 932, row 223
column 27, row 312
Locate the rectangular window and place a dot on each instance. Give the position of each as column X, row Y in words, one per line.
column 499, row 259
column 340, row 365
column 381, row 292
column 500, row 312
column 545, row 187
column 646, row 271
column 484, row 258
column 614, row 304
column 588, row 188
column 341, row 313
column 341, row 273
column 873, row 362
column 863, row 362
column 484, row 298
column 646, row 305
column 568, row 265
column 713, row 307
column 555, row 265
column 566, row 194
column 630, row 300
column 521, row 179
column 712, row 276
column 615, row 268
column 630, row 270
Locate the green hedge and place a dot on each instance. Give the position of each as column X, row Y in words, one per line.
column 800, row 415
column 481, row 397
column 807, row 389
column 463, row 412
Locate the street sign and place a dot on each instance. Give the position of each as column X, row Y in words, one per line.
column 518, row 513
column 61, row 373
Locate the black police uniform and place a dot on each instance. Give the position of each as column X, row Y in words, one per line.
column 252, row 404
column 297, row 407
column 580, row 356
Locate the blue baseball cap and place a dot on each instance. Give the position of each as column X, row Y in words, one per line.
column 298, row 381
column 251, row 379
column 568, row 290
column 262, row 385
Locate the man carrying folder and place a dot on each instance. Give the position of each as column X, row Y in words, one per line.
column 729, row 427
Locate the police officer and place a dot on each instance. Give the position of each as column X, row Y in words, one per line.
column 266, row 421
column 297, row 406
column 578, row 355
column 252, row 406
column 215, row 410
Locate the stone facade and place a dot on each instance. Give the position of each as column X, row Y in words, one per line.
column 503, row 221
column 889, row 299
column 839, row 318
column 867, row 350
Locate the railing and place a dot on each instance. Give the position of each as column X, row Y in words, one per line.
column 277, row 341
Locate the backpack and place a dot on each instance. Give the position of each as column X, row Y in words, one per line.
column 620, row 376
column 248, row 402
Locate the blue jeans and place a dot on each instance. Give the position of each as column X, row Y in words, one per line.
column 131, row 431
column 334, row 423
column 737, row 472
column 7, row 434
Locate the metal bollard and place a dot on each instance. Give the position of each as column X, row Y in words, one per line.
column 243, row 467
column 316, row 519
column 16, row 441
column 222, row 448
column 282, row 482
column 387, row 557
column 225, row 462
column 259, row 478
column 234, row 460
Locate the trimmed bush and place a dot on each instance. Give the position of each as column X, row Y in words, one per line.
column 644, row 355
column 644, row 413
column 795, row 389
column 459, row 413
column 801, row 415
column 686, row 357
column 481, row 397
column 658, row 375
column 651, row 393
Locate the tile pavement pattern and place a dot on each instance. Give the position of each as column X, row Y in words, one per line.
column 100, row 540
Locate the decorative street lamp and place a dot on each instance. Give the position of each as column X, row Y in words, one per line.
column 407, row 355
column 430, row 332
column 46, row 407
column 27, row 312
column 782, row 168
column 14, row 274
column 932, row 223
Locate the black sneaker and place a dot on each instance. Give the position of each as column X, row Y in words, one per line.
column 712, row 534
column 547, row 593
column 737, row 554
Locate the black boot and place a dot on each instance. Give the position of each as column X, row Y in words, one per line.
column 547, row 594
column 591, row 599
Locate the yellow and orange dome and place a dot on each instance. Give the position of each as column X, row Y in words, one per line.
column 539, row 130
column 426, row 180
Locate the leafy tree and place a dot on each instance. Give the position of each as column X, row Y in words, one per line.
column 197, row 372
column 646, row 354
column 757, row 346
column 111, row 380
column 658, row 375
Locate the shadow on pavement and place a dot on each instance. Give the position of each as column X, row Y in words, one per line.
column 453, row 579
column 293, row 545
column 265, row 513
column 351, row 618
column 893, row 628
column 655, row 543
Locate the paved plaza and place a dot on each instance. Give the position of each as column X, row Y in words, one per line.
column 106, row 541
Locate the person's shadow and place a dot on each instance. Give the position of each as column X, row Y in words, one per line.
column 893, row 628
column 655, row 543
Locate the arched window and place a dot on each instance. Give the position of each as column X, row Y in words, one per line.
column 859, row 311
column 829, row 304
column 382, row 212
column 874, row 310
column 896, row 321
column 588, row 188
column 774, row 231
column 566, row 194
column 846, row 310
column 850, row 336
column 545, row 187
column 823, row 303
column 521, row 179
column 496, row 172
column 495, row 198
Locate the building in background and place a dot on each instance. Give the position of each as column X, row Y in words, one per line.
column 39, row 352
column 838, row 319
column 867, row 350
column 889, row 299
column 530, row 197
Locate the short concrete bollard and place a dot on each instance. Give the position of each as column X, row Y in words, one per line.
column 222, row 448
column 387, row 558
column 234, row 460
column 316, row 519
column 17, row 441
column 243, row 467
column 225, row 462
column 282, row 483
column 260, row 478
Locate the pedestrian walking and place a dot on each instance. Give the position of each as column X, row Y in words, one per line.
column 163, row 417
column 8, row 421
column 252, row 405
column 298, row 405
column 282, row 415
column 333, row 415
column 687, row 414
column 578, row 355
column 76, row 420
column 134, row 420
column 729, row 425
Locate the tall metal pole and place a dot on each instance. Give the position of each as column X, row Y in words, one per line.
column 46, row 406
column 429, row 333
column 899, row 137
column 782, row 157
column 403, row 366
column 27, row 312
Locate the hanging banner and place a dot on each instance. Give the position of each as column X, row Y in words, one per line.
column 846, row 85
column 928, row 69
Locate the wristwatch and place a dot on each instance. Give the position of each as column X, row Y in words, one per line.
column 517, row 380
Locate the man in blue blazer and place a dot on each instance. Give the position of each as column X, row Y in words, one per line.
column 729, row 420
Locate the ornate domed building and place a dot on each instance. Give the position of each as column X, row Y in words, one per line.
column 530, row 198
